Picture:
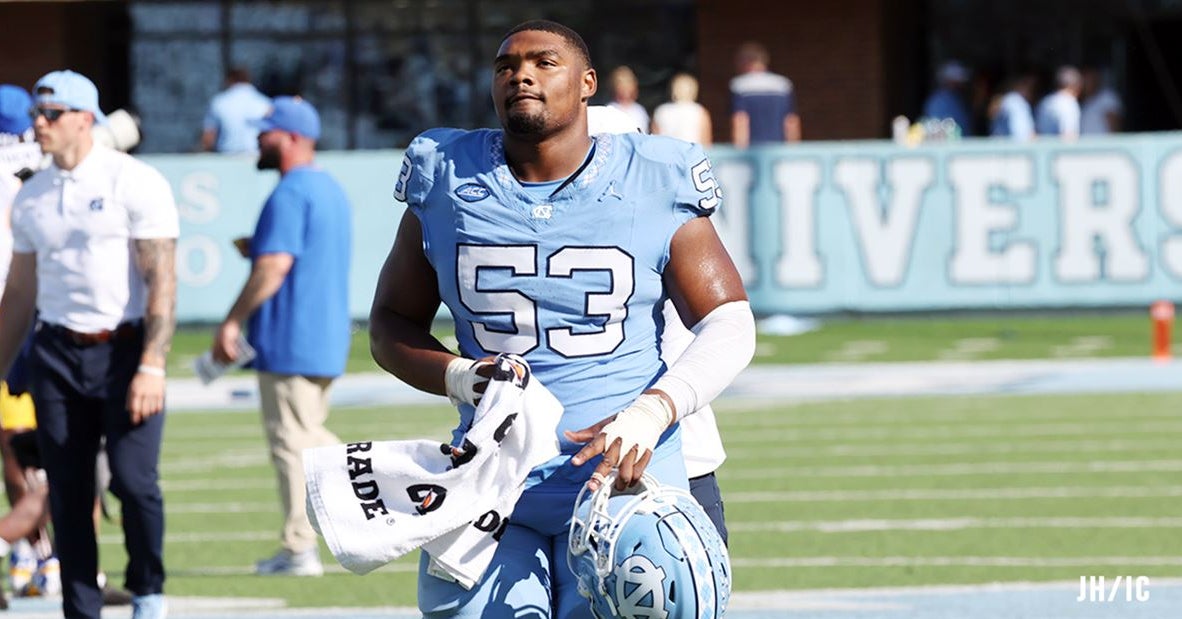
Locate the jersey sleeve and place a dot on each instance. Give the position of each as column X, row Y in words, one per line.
column 150, row 203
column 282, row 223
column 417, row 174
column 698, row 193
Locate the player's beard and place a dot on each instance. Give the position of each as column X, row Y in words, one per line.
column 268, row 159
column 526, row 123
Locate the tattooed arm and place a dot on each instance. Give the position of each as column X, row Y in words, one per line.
column 156, row 261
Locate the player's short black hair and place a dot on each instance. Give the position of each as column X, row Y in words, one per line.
column 544, row 25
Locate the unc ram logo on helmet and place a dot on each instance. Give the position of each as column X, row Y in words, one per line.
column 648, row 552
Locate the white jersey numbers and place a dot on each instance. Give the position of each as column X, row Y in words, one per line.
column 403, row 179
column 607, row 308
column 520, row 260
column 611, row 305
column 704, row 182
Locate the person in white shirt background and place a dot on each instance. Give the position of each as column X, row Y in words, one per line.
column 1058, row 113
column 625, row 92
column 683, row 117
column 1013, row 117
column 227, row 127
column 701, row 443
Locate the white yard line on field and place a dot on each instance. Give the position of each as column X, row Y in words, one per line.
column 850, row 450
column 966, row 468
column 953, row 524
column 898, row 431
column 233, row 483
column 898, row 561
column 954, row 494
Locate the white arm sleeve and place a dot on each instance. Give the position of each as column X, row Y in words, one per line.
column 724, row 345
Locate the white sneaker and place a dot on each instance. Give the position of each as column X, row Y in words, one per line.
column 22, row 566
column 288, row 563
column 47, row 581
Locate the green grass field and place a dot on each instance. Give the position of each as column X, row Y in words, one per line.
column 869, row 340
column 904, row 491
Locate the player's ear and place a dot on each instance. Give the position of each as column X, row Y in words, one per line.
column 590, row 84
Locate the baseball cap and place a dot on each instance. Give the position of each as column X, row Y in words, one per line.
column 291, row 114
column 72, row 90
column 14, row 109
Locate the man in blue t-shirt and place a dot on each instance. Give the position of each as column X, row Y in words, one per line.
column 297, row 301
column 763, row 104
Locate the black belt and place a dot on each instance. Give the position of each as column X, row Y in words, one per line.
column 125, row 330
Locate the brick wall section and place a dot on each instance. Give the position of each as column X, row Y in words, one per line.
column 834, row 51
column 87, row 37
column 33, row 34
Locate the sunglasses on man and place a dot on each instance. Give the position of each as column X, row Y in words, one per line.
column 50, row 113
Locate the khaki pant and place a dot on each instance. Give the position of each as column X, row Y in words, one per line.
column 294, row 411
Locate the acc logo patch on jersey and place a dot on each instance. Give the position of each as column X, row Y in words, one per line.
column 96, row 204
column 472, row 192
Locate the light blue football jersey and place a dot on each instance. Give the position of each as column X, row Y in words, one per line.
column 571, row 281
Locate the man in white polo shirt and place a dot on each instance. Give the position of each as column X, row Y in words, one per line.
column 94, row 240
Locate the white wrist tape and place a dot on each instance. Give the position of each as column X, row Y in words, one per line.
column 461, row 379
column 640, row 425
column 723, row 346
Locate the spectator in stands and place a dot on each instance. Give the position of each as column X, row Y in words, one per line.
column 227, row 127
column 763, row 104
column 1014, row 118
column 947, row 101
column 1101, row 111
column 1058, row 113
column 683, row 117
column 625, row 91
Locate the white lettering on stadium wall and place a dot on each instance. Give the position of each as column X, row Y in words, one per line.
column 1065, row 219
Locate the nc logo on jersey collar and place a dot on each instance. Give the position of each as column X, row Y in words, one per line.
column 96, row 204
column 472, row 192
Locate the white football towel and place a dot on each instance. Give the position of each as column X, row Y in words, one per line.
column 375, row 501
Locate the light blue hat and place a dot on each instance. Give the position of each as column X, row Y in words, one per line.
column 70, row 89
column 291, row 114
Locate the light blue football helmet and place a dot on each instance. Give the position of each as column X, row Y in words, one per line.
column 648, row 552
